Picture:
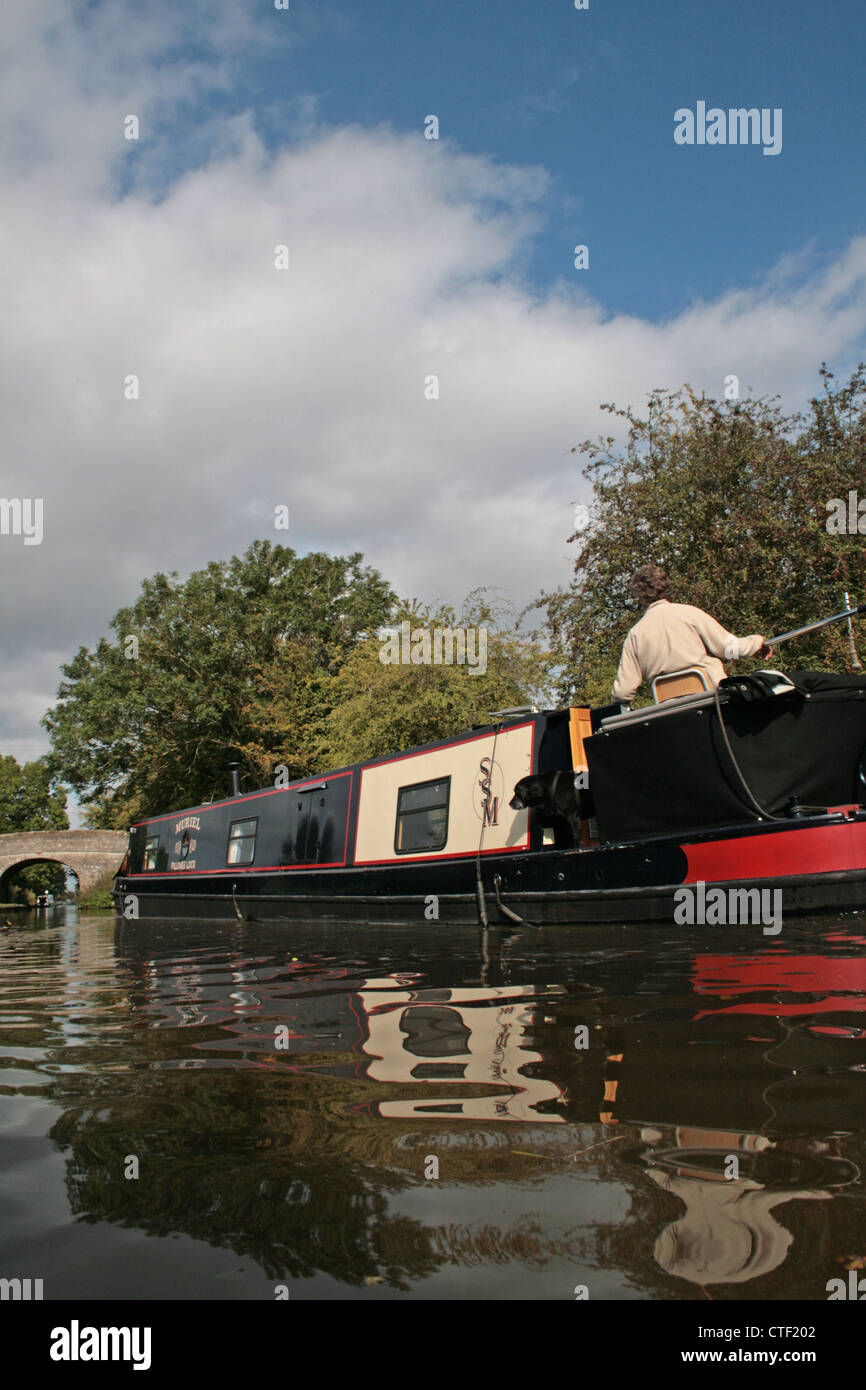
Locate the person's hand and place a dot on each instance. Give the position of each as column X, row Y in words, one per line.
column 766, row 650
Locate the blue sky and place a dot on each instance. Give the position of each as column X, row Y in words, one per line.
column 410, row 259
column 590, row 97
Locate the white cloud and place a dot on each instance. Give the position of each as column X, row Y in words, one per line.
column 305, row 387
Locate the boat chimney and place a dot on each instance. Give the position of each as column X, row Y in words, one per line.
column 234, row 779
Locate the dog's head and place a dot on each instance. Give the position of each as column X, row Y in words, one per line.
column 528, row 792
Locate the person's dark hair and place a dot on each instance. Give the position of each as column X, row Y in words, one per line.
column 648, row 584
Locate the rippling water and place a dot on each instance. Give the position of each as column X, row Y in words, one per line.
column 649, row 1112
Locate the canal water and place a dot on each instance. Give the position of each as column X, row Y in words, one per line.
column 322, row 1112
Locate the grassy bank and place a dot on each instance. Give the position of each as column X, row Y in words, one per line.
column 100, row 894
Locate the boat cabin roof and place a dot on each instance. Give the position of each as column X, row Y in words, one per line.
column 510, row 720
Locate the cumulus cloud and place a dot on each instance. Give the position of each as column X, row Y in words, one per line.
column 305, row 386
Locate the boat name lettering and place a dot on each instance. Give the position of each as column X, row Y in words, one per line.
column 184, row 864
column 188, row 823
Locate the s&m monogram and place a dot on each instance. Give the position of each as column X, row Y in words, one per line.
column 489, row 802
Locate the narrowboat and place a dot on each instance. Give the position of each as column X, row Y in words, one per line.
column 542, row 816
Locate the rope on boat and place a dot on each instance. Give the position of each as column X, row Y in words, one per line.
column 238, row 913
column 479, row 893
column 762, row 810
column 479, row 886
column 497, row 881
column 506, row 911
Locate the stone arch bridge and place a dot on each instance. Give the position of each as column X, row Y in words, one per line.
column 89, row 853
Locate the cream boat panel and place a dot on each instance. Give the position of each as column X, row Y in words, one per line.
column 474, row 785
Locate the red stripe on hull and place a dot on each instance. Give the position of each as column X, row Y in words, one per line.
column 820, row 849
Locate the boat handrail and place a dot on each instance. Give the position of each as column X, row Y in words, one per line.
column 699, row 700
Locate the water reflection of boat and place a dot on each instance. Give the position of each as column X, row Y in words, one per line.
column 465, row 1038
column 814, row 984
column 556, row 816
column 299, row 1155
column 769, row 1042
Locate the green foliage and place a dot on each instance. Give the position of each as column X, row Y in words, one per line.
column 381, row 708
column 190, row 682
column 29, row 798
column 99, row 895
column 731, row 498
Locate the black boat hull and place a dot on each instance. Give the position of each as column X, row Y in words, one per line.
column 618, row 883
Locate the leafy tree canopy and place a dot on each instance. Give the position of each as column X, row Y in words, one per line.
column 29, row 799
column 381, row 707
column 733, row 500
column 151, row 719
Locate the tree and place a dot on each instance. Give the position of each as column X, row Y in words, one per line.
column 29, row 798
column 733, row 499
column 382, row 707
column 152, row 718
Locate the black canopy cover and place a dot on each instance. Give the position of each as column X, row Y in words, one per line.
column 673, row 773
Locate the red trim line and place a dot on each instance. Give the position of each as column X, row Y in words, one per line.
column 439, row 857
column 294, row 868
column 254, row 869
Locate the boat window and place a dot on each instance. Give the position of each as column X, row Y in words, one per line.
column 151, row 845
column 242, row 841
column 422, row 817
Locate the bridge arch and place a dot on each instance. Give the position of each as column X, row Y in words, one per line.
column 53, row 860
column 88, row 853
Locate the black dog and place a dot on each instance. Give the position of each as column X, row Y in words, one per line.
column 553, row 797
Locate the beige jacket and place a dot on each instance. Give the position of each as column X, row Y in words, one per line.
column 670, row 636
